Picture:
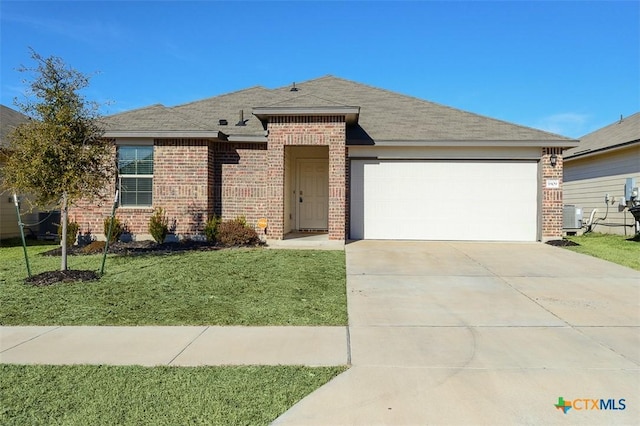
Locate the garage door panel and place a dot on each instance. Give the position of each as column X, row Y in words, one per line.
column 440, row 200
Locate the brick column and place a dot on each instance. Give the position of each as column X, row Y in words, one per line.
column 337, row 186
column 307, row 131
column 551, row 197
column 275, row 186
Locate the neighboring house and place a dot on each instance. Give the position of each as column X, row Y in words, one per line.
column 338, row 156
column 596, row 172
column 9, row 119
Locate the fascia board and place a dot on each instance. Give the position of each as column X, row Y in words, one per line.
column 350, row 112
column 206, row 134
column 589, row 153
column 325, row 110
column 463, row 143
column 246, row 138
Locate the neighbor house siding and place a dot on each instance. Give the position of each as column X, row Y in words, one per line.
column 589, row 179
column 9, row 220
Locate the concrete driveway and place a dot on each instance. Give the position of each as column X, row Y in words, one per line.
column 483, row 333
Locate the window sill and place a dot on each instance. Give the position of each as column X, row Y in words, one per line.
column 143, row 209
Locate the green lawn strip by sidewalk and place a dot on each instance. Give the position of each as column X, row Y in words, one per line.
column 227, row 287
column 131, row 395
column 614, row 248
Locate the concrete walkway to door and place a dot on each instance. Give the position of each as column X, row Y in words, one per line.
column 483, row 333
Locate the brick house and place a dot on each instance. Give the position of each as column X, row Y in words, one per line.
column 338, row 156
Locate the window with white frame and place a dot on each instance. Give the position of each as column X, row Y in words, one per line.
column 135, row 175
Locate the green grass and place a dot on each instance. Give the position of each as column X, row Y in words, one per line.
column 614, row 248
column 117, row 395
column 226, row 287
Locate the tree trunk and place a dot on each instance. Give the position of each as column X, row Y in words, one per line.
column 64, row 214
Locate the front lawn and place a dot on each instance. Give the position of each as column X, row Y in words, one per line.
column 117, row 395
column 614, row 248
column 225, row 287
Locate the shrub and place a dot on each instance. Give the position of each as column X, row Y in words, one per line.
column 236, row 232
column 159, row 225
column 72, row 232
column 211, row 228
column 116, row 230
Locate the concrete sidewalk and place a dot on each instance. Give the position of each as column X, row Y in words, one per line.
column 178, row 346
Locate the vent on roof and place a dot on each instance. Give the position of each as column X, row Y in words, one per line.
column 293, row 87
column 242, row 121
column 222, row 122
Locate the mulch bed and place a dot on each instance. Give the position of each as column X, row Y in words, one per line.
column 562, row 243
column 134, row 248
column 54, row 277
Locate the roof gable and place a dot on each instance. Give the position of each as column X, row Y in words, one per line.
column 9, row 120
column 622, row 132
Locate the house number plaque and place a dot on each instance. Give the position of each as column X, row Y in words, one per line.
column 553, row 183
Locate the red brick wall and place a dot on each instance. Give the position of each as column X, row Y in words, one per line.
column 90, row 214
column 181, row 185
column 551, row 197
column 240, row 176
column 306, row 131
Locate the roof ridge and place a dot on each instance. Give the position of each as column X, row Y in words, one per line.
column 235, row 92
column 327, row 76
column 301, row 95
column 634, row 116
column 136, row 109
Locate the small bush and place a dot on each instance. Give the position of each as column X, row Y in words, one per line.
column 159, row 225
column 116, row 230
column 72, row 232
column 211, row 228
column 236, row 233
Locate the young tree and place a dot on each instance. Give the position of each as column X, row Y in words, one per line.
column 60, row 154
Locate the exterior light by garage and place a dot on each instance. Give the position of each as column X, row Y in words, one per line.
column 554, row 160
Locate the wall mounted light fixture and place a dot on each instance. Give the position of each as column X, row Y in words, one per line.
column 554, row 160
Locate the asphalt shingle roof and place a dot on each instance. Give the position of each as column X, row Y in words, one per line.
column 155, row 117
column 621, row 132
column 384, row 115
column 9, row 120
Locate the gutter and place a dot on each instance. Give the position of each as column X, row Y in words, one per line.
column 568, row 143
column 164, row 134
column 588, row 152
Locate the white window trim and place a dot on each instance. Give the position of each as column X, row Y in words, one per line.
column 130, row 142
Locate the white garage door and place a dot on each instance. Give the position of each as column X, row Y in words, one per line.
column 444, row 200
